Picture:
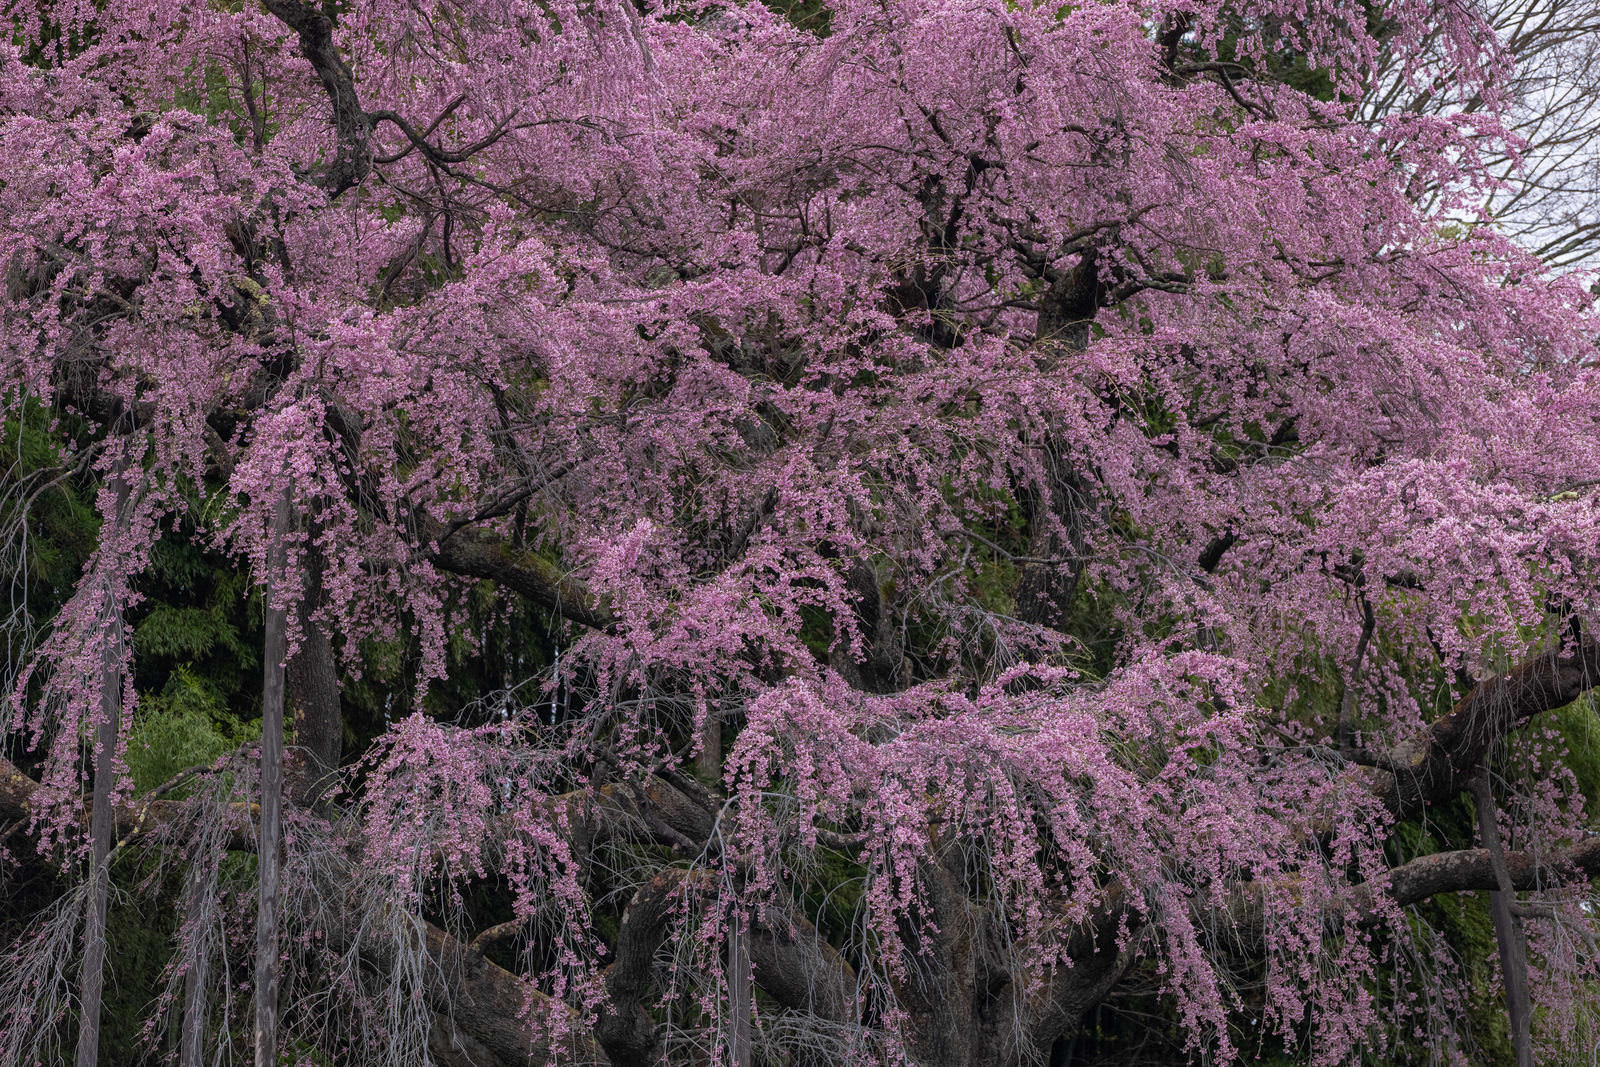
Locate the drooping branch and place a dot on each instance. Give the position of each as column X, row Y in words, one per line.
column 739, row 996
column 792, row 961
column 477, row 1003
column 1438, row 765
column 1100, row 958
column 653, row 811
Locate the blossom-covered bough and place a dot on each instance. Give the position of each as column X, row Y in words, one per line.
column 1036, row 507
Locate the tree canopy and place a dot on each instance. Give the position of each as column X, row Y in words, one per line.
column 857, row 532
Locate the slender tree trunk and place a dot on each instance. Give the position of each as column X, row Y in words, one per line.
column 268, row 855
column 92, row 981
column 709, row 762
column 1508, row 932
column 312, row 687
column 192, row 1042
column 1514, row 966
column 738, row 992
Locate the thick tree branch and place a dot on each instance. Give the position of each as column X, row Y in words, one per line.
column 1068, row 992
column 1437, row 766
column 490, row 1003
column 801, row 971
column 476, row 554
column 131, row 819
column 626, row 1031
column 352, row 127
column 792, row 963
column 1474, row 869
column 1460, row 871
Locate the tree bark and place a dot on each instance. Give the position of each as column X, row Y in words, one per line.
column 102, row 823
column 709, row 762
column 476, row 554
column 1047, row 581
column 353, row 127
column 489, row 1005
column 626, row 1030
column 312, row 683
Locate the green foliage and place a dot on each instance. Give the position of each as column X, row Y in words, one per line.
column 994, row 583
column 812, row 15
column 187, row 724
column 1579, row 726
column 817, row 631
column 184, row 632
column 1464, row 922
column 199, row 625
column 53, row 510
column 834, row 895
